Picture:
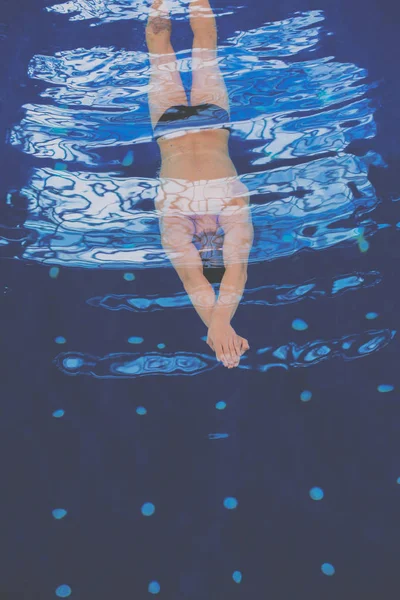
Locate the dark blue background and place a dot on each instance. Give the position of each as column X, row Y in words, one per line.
column 102, row 461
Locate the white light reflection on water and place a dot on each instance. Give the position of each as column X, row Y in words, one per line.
column 300, row 112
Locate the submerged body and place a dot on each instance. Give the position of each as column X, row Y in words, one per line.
column 202, row 205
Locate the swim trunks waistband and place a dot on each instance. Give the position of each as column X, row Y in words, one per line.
column 181, row 117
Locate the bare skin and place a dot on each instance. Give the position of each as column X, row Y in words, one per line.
column 195, row 156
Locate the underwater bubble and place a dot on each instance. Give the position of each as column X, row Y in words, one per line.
column 371, row 315
column 161, row 346
column 230, row 503
column 135, row 340
column 305, row 396
column 299, row 325
column 141, row 410
column 316, row 493
column 128, row 159
column 328, row 569
column 129, row 277
column 72, row 363
column 148, row 509
column 58, row 413
column 59, row 513
column 220, row 405
column 60, row 340
column 237, row 576
column 63, row 591
column 54, row 272
column 154, row 587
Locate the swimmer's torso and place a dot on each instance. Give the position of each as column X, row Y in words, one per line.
column 198, row 179
column 196, row 156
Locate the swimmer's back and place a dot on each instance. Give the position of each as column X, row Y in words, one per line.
column 196, row 156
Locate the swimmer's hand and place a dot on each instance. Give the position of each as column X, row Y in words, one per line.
column 227, row 345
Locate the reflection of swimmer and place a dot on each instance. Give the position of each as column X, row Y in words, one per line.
column 203, row 207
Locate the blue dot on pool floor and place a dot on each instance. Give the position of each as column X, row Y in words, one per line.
column 129, row 277
column 371, row 315
column 230, row 503
column 148, row 509
column 328, row 569
column 59, row 513
column 398, row 480
column 54, row 272
column 305, row 396
column 63, row 591
column 58, row 413
column 237, row 576
column 154, row 587
column 141, row 410
column 135, row 340
column 72, row 363
column 60, row 340
column 161, row 346
column 316, row 493
column 385, row 388
column 299, row 325
column 220, row 405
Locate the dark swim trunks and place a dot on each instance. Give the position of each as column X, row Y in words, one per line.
column 187, row 117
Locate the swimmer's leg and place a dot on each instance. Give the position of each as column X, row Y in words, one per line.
column 208, row 83
column 166, row 87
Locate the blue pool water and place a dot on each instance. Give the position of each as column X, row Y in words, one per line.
column 133, row 463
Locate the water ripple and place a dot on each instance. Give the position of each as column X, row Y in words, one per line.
column 347, row 347
column 93, row 219
column 86, row 82
column 267, row 295
column 129, row 365
column 116, row 10
column 291, row 355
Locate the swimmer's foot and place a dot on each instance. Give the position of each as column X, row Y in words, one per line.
column 200, row 8
column 158, row 6
column 159, row 22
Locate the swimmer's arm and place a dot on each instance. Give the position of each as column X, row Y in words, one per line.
column 186, row 260
column 237, row 245
column 230, row 293
column 201, row 294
